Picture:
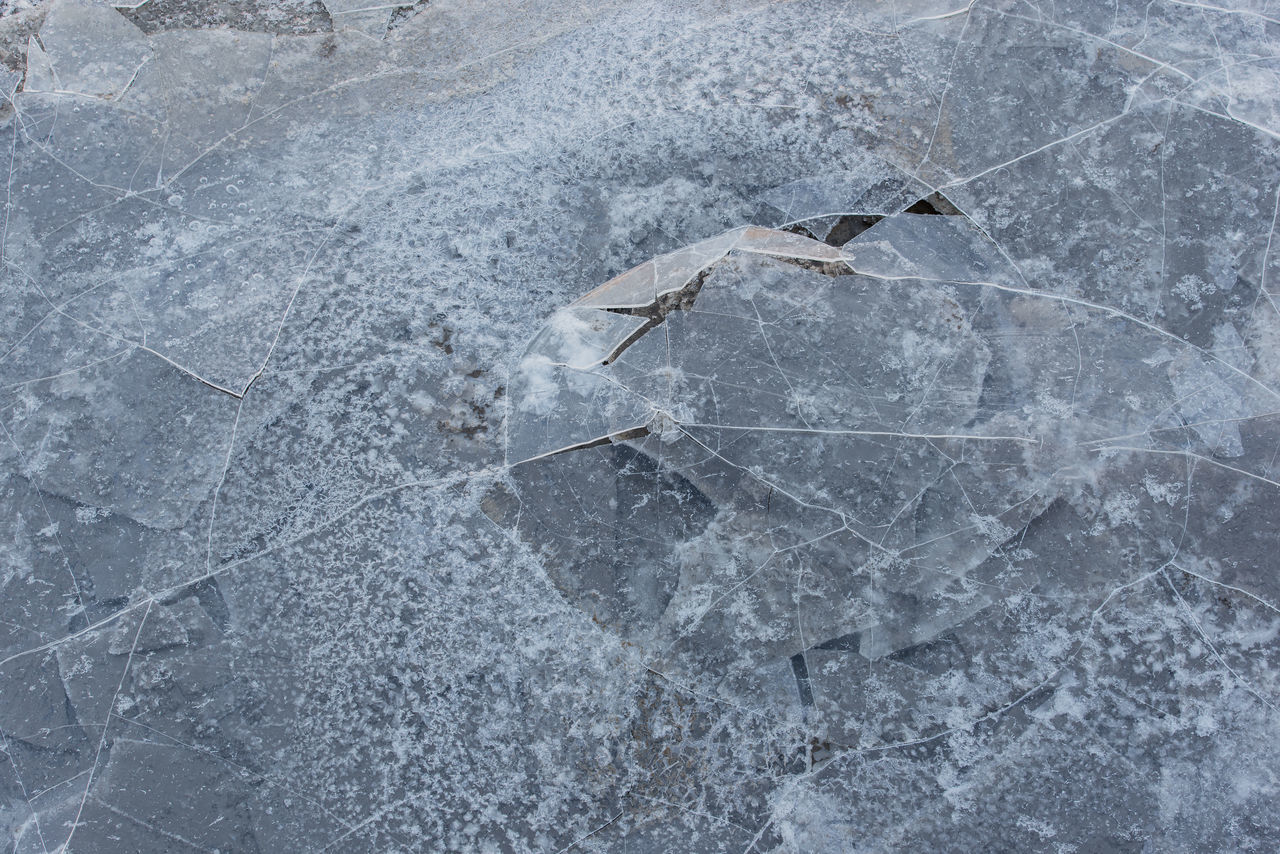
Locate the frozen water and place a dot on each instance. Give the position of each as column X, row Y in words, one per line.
column 653, row 427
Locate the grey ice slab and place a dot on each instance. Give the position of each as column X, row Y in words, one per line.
column 937, row 248
column 561, row 393
column 89, row 49
column 131, row 435
column 1111, row 242
column 871, row 188
column 996, row 53
column 366, row 16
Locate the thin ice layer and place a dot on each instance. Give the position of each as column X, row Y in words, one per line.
column 561, row 394
column 871, row 187
column 89, row 49
column 924, row 412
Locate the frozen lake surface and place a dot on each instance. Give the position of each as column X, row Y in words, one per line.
column 627, row 426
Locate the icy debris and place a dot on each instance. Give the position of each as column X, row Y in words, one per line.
column 888, row 417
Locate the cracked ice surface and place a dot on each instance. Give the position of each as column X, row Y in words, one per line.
column 654, row 427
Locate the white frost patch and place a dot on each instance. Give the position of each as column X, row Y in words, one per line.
column 538, row 382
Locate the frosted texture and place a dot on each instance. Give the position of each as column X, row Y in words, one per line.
column 646, row 427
